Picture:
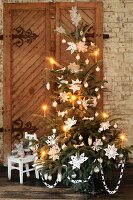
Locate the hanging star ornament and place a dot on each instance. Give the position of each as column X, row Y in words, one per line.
column 104, row 126
column 76, row 160
column 111, row 151
column 52, row 140
column 64, row 96
column 82, row 47
column 75, row 16
column 73, row 67
column 70, row 122
column 72, row 47
column 75, row 86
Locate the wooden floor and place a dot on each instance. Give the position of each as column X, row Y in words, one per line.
column 34, row 189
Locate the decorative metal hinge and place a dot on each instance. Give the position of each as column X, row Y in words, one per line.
column 21, row 36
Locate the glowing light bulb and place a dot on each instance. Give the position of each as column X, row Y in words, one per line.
column 42, row 154
column 52, row 61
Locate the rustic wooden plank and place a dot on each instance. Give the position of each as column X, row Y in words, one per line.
column 6, row 83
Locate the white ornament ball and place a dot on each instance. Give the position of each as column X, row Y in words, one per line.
column 64, row 146
column 100, row 160
column 63, row 41
column 102, row 86
column 96, row 89
column 80, row 137
column 87, row 61
column 74, row 175
column 90, row 141
column 81, row 33
column 96, row 114
column 115, row 125
column 46, row 176
column 55, row 104
column 86, row 85
column 96, row 169
column 84, row 39
column 48, row 86
column 97, row 69
column 104, row 138
column 59, row 177
column 49, row 177
column 78, row 57
column 99, row 96
column 54, row 130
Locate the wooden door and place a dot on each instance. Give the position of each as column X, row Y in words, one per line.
column 29, row 38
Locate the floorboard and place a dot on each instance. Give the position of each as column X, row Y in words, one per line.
column 34, row 189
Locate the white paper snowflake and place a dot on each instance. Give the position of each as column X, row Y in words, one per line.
column 97, row 145
column 70, row 122
column 64, row 96
column 75, row 16
column 75, row 86
column 76, row 160
column 73, row 67
column 60, row 30
column 104, row 126
column 111, row 151
column 62, row 114
column 82, row 47
column 52, row 140
column 72, row 47
column 84, row 103
column 54, row 152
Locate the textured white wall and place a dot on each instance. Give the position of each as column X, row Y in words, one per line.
column 118, row 61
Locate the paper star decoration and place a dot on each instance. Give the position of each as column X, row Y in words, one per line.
column 73, row 67
column 104, row 126
column 62, row 114
column 81, row 47
column 72, row 47
column 75, row 16
column 54, row 152
column 75, row 86
column 76, row 160
column 111, row 151
column 70, row 122
column 64, row 96
column 97, row 145
column 52, row 140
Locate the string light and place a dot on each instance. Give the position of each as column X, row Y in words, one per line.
column 96, row 54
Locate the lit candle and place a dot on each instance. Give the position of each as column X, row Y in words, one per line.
column 105, row 115
column 42, row 154
column 123, row 138
column 65, row 130
column 44, row 110
column 73, row 98
column 96, row 53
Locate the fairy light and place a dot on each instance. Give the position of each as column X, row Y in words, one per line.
column 44, row 107
column 53, row 62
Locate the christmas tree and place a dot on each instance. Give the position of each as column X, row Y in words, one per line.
column 82, row 141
